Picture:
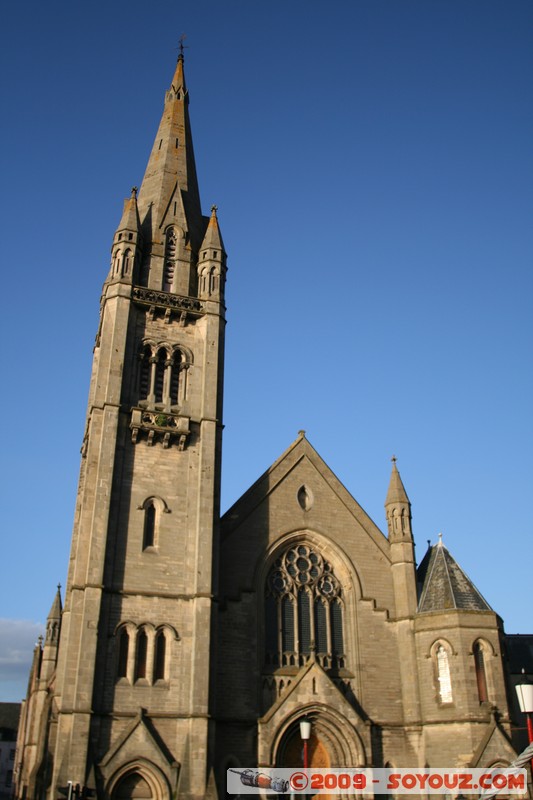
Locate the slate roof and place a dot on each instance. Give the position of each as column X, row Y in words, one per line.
column 444, row 584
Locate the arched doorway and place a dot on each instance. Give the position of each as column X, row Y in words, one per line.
column 133, row 787
column 138, row 781
column 291, row 750
column 335, row 740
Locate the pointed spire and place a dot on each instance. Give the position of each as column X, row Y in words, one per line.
column 178, row 81
column 57, row 606
column 396, row 492
column 398, row 508
column 130, row 215
column 212, row 238
column 126, row 244
column 212, row 262
column 171, row 169
column 53, row 623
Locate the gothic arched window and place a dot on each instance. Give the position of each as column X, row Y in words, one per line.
column 303, row 610
column 141, row 655
column 443, row 675
column 123, row 651
column 160, row 650
column 149, row 525
column 481, row 675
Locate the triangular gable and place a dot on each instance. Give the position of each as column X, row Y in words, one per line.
column 138, row 740
column 494, row 747
column 267, row 483
column 313, row 693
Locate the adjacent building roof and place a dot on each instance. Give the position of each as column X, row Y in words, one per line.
column 444, row 584
column 9, row 721
column 519, row 647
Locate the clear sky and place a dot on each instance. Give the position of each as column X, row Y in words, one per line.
column 372, row 165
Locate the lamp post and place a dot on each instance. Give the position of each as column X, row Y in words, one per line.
column 524, row 691
column 305, row 734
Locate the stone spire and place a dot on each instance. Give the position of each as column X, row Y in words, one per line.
column 398, row 511
column 126, row 244
column 169, row 191
column 51, row 642
column 212, row 262
column 213, row 238
column 397, row 507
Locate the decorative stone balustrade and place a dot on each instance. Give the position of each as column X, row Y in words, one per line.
column 158, row 426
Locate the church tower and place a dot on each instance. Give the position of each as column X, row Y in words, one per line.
column 131, row 706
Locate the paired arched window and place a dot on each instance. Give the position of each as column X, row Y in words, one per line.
column 161, row 370
column 303, row 610
column 143, row 653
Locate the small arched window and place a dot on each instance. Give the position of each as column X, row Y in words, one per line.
column 126, row 262
column 123, row 652
column 481, row 675
column 141, row 655
column 149, row 525
column 443, row 675
column 160, row 652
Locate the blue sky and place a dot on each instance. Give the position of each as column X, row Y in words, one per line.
column 372, row 165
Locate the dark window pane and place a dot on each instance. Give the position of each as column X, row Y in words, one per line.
column 123, row 647
column 159, row 656
column 304, row 622
column 481, row 677
column 321, row 634
column 142, row 647
column 149, row 526
column 287, row 625
column 337, row 640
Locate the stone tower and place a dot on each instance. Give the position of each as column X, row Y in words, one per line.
column 170, row 661
column 138, row 616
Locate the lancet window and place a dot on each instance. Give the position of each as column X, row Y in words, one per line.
column 443, row 675
column 149, row 525
column 481, row 674
column 304, row 610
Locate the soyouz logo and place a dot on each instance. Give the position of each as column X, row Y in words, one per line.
column 284, row 780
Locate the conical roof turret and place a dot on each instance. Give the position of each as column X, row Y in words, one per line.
column 396, row 492
column 398, row 508
column 213, row 238
column 130, row 215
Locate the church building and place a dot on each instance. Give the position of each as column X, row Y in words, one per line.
column 188, row 642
